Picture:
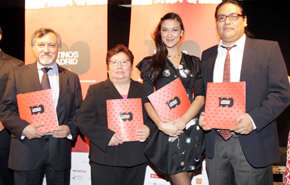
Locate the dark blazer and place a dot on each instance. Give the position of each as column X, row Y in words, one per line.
column 27, row 154
column 92, row 122
column 7, row 64
column 267, row 95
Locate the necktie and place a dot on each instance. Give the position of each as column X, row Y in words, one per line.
column 226, row 134
column 45, row 80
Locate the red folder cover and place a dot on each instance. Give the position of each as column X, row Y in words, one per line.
column 37, row 107
column 171, row 101
column 224, row 103
column 125, row 116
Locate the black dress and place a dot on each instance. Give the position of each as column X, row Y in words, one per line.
column 171, row 155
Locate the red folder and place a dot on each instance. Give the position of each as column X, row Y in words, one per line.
column 224, row 103
column 37, row 107
column 171, row 101
column 125, row 116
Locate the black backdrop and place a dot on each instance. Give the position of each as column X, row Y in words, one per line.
column 268, row 20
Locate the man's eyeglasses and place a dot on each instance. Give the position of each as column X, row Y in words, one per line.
column 232, row 17
column 122, row 62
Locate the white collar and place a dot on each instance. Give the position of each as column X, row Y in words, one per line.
column 53, row 66
column 240, row 44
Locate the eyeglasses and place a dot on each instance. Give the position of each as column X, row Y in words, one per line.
column 122, row 62
column 232, row 17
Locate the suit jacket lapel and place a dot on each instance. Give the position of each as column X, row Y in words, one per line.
column 32, row 74
column 247, row 68
column 210, row 65
column 133, row 92
column 63, row 78
column 111, row 90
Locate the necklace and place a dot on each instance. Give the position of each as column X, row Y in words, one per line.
column 174, row 56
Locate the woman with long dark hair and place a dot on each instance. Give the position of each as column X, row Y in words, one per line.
column 183, row 154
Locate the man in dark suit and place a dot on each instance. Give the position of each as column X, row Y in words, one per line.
column 7, row 63
column 34, row 153
column 247, row 156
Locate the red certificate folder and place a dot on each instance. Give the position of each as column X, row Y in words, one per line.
column 224, row 103
column 171, row 101
column 125, row 116
column 37, row 107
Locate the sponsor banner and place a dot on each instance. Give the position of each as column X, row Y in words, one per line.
column 39, row 4
column 80, row 173
column 152, row 2
column 80, row 170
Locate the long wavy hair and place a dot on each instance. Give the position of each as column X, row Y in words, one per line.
column 158, row 59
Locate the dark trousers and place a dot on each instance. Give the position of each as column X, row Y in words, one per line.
column 35, row 176
column 230, row 167
column 6, row 174
column 112, row 175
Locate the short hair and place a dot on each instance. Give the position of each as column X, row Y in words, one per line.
column 0, row 30
column 118, row 49
column 41, row 32
column 243, row 11
column 235, row 2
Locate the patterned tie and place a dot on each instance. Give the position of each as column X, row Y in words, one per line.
column 45, row 80
column 226, row 134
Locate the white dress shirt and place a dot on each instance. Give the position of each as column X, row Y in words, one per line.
column 53, row 80
column 236, row 54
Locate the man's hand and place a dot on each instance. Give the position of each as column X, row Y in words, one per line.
column 244, row 124
column 202, row 123
column 61, row 132
column 115, row 140
column 31, row 131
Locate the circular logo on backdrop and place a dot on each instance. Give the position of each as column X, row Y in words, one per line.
column 76, row 58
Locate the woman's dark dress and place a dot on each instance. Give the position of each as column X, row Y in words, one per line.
column 172, row 155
